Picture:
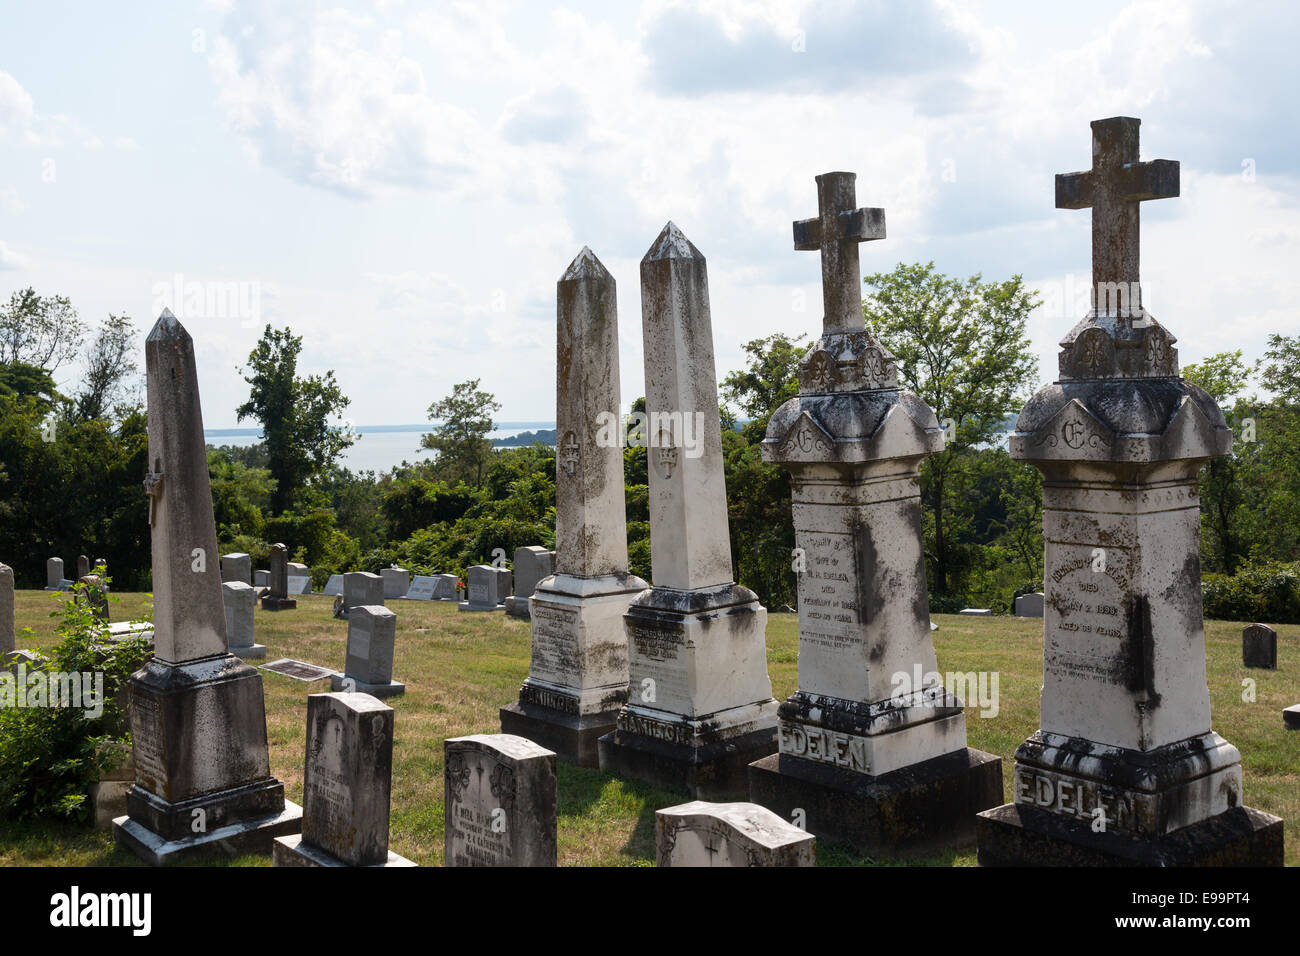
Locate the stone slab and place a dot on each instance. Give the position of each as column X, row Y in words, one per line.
column 253, row 836
column 345, row 684
column 716, row 771
column 272, row 603
column 1030, row 605
column 299, row 584
column 298, row 670
column 976, row 612
column 1291, row 717
column 929, row 805
column 292, row 851
column 573, row 737
column 1015, row 835
column 334, row 586
column 422, row 588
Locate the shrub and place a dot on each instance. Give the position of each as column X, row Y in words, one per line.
column 1257, row 592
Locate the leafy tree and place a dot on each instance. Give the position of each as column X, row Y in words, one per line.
column 19, row 380
column 110, row 363
column 1225, row 376
column 43, row 331
column 961, row 346
column 295, row 415
column 461, row 438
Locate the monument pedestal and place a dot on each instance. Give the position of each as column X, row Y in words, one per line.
column 922, row 806
column 202, row 776
column 270, row 603
column 391, row 689
column 700, row 708
column 254, row 652
column 292, row 851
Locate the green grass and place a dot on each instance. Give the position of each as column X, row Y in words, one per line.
column 461, row 668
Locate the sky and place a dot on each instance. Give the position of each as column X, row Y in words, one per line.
column 402, row 184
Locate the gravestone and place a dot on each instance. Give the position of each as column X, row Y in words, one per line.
column 7, row 627
column 1291, row 717
column 362, row 587
column 101, row 567
column 577, row 678
column 500, row 802
column 976, row 612
column 1125, row 768
column 872, row 747
column 237, row 567
column 700, row 707
column 729, row 834
column 277, row 598
column 54, row 579
column 421, row 589
column 240, row 600
column 198, row 720
column 444, row 588
column 299, row 578
column 1259, row 646
column 347, row 786
column 368, row 667
column 532, row 565
column 261, row 579
column 334, row 586
column 83, row 566
column 95, row 596
column 487, row 589
column 1030, row 605
column 397, row 581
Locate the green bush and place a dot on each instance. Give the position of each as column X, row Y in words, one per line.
column 1257, row 592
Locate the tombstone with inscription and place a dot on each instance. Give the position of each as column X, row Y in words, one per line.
column 729, row 834
column 532, row 565
column 261, row 579
column 83, row 566
column 334, row 586
column 500, row 802
column 198, row 719
column 54, row 579
column 299, row 578
column 1259, row 646
column 700, row 704
column 368, row 667
column 577, row 678
column 362, row 587
column 397, row 581
column 1030, row 605
column 237, row 567
column 277, row 598
column 1125, row 768
column 872, row 746
column 240, row 600
column 444, row 587
column 421, row 589
column 486, row 585
column 347, row 786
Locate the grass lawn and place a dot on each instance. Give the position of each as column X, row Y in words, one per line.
column 460, row 668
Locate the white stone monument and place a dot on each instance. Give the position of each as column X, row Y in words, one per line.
column 240, row 601
column 729, row 834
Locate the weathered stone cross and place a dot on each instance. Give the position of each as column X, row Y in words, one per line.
column 836, row 231
column 153, row 487
column 1113, row 188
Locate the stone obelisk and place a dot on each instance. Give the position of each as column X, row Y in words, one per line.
column 577, row 680
column 872, row 745
column 1124, row 769
column 700, row 704
column 198, row 719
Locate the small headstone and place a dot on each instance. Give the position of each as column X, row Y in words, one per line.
column 334, row 586
column 277, row 598
column 95, row 595
column 83, row 566
column 101, row 567
column 261, row 579
column 237, row 567
column 444, row 588
column 362, row 587
column 421, row 589
column 6, row 612
column 347, row 786
column 532, row 566
column 976, row 612
column 1259, row 646
column 368, row 669
column 500, row 802
column 240, row 600
column 303, row 573
column 1030, row 605
column 730, row 834
column 397, row 581
column 1291, row 717
column 488, row 588
column 54, row 580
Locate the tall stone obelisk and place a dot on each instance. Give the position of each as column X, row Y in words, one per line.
column 873, row 756
column 700, row 704
column 1125, row 769
column 577, row 680
column 198, row 719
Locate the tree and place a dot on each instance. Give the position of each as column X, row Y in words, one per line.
column 42, row 331
column 109, row 364
column 1225, row 377
column 19, row 380
column 461, row 440
column 961, row 346
column 295, row 414
column 769, row 381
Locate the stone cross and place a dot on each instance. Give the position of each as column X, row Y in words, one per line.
column 1113, row 188
column 836, row 231
column 153, row 487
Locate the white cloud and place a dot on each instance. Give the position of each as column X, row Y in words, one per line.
column 10, row 259
column 22, row 124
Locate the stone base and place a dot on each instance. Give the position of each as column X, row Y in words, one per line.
column 467, row 606
column 926, row 806
column 270, row 603
column 1015, row 835
column 254, row 652
column 518, row 607
column 291, row 851
column 250, row 836
column 1291, row 717
column 710, row 771
column 391, row 689
column 573, row 737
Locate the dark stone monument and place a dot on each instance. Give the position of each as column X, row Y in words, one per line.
column 277, row 598
column 1259, row 646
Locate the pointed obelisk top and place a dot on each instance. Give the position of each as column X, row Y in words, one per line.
column 189, row 615
column 672, row 244
column 585, row 266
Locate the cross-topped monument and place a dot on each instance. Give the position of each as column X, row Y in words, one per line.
column 1113, row 189
column 836, row 231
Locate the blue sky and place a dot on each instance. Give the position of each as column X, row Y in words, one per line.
column 403, row 183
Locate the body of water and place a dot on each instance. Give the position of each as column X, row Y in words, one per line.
column 380, row 447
